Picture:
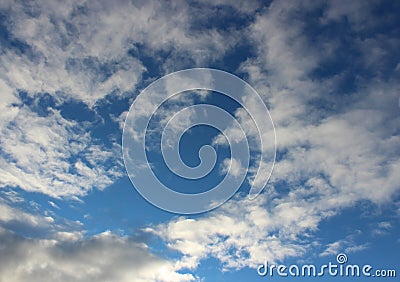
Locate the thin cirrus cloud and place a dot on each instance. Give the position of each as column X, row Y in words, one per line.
column 337, row 132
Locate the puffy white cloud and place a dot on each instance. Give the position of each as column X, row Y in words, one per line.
column 103, row 257
column 242, row 233
column 58, row 249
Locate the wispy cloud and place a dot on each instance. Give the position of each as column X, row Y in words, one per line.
column 382, row 228
column 346, row 245
column 331, row 153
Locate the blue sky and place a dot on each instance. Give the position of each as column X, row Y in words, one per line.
column 329, row 72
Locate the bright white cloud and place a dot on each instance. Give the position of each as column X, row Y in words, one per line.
column 80, row 49
column 241, row 233
column 38, row 155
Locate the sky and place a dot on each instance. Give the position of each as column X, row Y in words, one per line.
column 328, row 72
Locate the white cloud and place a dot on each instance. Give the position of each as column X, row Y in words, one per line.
column 244, row 233
column 351, row 147
column 63, row 62
column 9, row 215
column 13, row 196
column 103, row 257
column 52, row 204
column 329, row 158
column 240, row 233
column 346, row 245
column 232, row 166
column 80, row 50
column 382, row 228
column 37, row 153
column 7, row 101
